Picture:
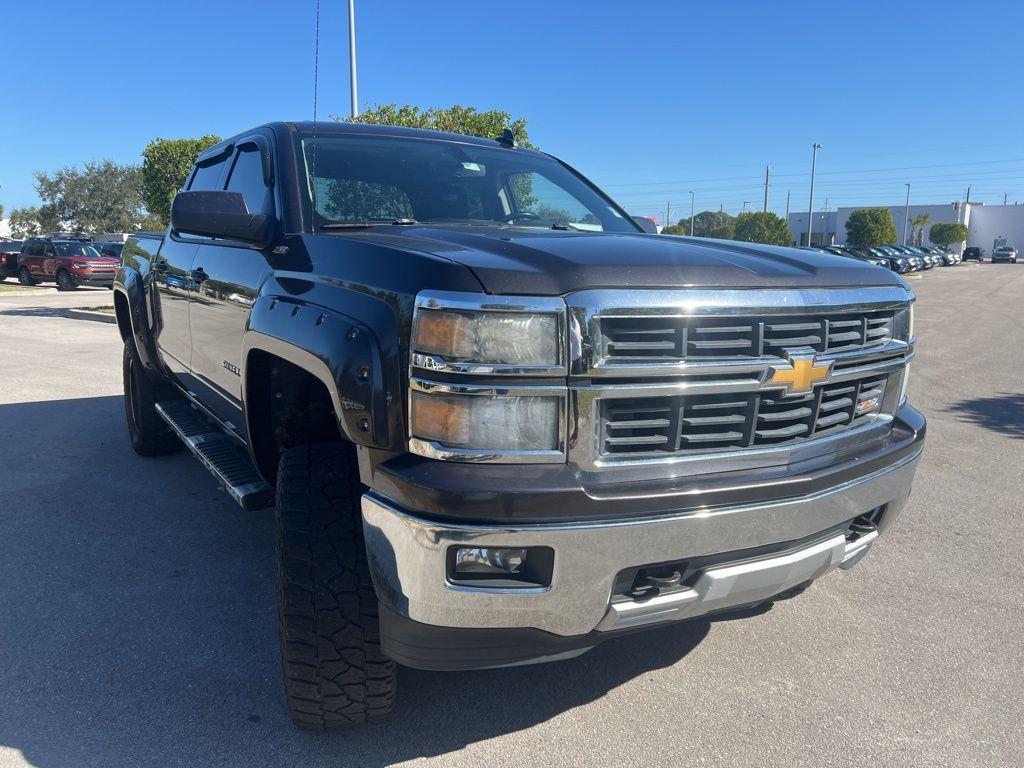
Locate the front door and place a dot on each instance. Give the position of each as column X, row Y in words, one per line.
column 173, row 281
column 226, row 282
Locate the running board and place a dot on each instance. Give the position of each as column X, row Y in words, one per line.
column 220, row 454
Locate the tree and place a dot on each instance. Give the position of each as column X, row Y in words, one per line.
column 917, row 224
column 705, row 224
column 870, row 226
column 488, row 124
column 165, row 166
column 99, row 197
column 25, row 223
column 762, row 227
column 943, row 233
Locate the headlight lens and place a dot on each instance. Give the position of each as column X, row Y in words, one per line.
column 486, row 422
column 500, row 338
column 903, row 329
column 79, row 265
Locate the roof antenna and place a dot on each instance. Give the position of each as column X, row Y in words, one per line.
column 316, row 68
column 507, row 139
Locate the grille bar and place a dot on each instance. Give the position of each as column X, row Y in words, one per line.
column 651, row 339
column 684, row 424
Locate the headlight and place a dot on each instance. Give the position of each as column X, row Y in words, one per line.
column 79, row 265
column 901, row 262
column 465, row 336
column 470, row 333
column 903, row 324
column 903, row 385
column 470, row 423
column 501, row 338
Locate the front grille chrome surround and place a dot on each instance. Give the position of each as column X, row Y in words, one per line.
column 649, row 402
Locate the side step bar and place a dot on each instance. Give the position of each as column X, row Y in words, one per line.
column 225, row 459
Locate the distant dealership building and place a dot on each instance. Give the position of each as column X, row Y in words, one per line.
column 988, row 226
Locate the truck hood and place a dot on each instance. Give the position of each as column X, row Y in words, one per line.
column 510, row 260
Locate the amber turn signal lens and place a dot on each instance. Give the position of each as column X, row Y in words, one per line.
column 446, row 333
column 440, row 418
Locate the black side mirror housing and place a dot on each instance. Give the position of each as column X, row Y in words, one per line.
column 648, row 226
column 221, row 214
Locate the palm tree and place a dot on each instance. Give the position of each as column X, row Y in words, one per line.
column 917, row 224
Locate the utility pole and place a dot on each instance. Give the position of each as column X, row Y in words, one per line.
column 668, row 213
column 906, row 215
column 810, row 203
column 767, row 178
column 352, row 56
column 1004, row 198
column 692, row 199
column 787, row 205
column 968, row 194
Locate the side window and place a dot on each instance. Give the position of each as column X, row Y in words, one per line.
column 207, row 177
column 34, row 249
column 247, row 178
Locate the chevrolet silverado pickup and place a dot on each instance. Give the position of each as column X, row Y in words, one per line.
column 500, row 422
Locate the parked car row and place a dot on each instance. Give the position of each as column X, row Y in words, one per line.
column 66, row 260
column 898, row 258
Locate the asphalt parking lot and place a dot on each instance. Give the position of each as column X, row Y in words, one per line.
column 137, row 601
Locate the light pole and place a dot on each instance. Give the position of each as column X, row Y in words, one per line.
column 352, row 56
column 810, row 203
column 692, row 203
column 906, row 215
column 745, row 204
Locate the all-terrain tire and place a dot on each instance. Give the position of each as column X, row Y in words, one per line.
column 149, row 434
column 335, row 675
column 25, row 277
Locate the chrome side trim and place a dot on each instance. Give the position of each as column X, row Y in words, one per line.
column 407, row 554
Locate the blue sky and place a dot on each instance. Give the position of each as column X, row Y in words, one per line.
column 649, row 99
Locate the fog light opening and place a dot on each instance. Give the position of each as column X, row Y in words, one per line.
column 501, row 567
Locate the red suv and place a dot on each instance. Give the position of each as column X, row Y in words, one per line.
column 68, row 263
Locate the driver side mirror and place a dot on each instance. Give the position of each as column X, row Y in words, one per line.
column 646, row 224
column 221, row 214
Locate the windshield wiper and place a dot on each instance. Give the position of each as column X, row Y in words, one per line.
column 365, row 224
column 565, row 227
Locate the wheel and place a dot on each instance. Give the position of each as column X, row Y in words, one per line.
column 65, row 282
column 335, row 675
column 149, row 434
column 25, row 277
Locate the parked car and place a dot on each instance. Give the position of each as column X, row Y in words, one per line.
column 973, row 253
column 839, row 250
column 9, row 251
column 1005, row 253
column 949, row 258
column 68, row 263
column 895, row 263
column 463, row 375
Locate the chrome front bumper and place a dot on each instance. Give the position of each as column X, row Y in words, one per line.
column 407, row 557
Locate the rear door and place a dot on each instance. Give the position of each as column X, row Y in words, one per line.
column 228, row 278
column 171, row 279
column 32, row 257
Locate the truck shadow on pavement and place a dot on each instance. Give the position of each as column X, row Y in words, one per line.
column 1001, row 413
column 137, row 622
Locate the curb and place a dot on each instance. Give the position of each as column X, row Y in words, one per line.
column 88, row 314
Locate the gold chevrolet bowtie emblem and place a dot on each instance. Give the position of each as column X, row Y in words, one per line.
column 802, row 373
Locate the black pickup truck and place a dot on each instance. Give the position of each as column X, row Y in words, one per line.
column 499, row 421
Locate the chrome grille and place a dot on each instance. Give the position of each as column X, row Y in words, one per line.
column 682, row 424
column 623, row 339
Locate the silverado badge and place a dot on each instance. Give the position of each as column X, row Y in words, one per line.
column 802, row 373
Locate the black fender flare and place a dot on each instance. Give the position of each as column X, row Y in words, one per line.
column 129, row 284
column 341, row 352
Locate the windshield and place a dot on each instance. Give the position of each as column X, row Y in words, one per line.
column 80, row 250
column 384, row 179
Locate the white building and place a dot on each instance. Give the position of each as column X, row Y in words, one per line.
column 988, row 226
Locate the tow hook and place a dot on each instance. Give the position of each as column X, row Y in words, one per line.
column 649, row 583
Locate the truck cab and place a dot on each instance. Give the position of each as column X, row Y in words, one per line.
column 499, row 422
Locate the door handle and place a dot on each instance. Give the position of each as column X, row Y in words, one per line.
column 197, row 275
